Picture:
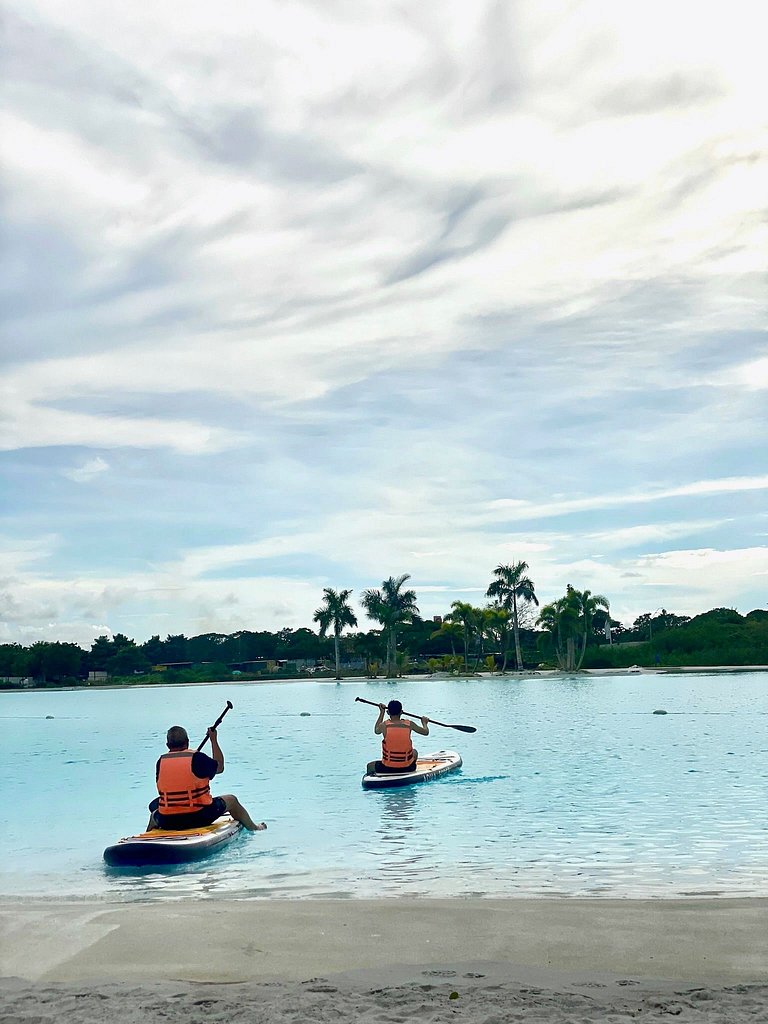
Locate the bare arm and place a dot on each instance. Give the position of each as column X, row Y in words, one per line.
column 216, row 753
column 379, row 727
column 423, row 729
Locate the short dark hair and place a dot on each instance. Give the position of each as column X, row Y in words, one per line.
column 394, row 707
column 176, row 738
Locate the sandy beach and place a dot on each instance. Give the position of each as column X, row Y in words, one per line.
column 479, row 961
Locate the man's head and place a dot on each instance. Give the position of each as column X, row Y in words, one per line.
column 394, row 708
column 177, row 738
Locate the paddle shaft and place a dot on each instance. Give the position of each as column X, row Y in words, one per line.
column 216, row 724
column 432, row 721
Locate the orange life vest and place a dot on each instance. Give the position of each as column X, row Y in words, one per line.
column 181, row 792
column 396, row 745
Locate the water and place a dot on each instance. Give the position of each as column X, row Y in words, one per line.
column 570, row 787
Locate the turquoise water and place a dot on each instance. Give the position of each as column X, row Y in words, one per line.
column 570, row 787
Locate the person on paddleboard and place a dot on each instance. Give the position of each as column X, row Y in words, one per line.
column 397, row 751
column 183, row 782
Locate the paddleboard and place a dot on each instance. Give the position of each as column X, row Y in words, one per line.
column 163, row 846
column 430, row 766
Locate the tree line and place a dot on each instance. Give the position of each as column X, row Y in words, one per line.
column 510, row 629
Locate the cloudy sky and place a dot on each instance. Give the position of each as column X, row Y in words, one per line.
column 308, row 293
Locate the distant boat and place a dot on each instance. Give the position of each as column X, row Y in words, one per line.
column 634, row 669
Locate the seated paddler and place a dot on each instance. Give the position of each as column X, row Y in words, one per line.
column 184, row 787
column 397, row 751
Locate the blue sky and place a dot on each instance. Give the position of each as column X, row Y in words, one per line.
column 307, row 294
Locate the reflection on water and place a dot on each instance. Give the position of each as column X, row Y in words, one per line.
column 397, row 809
column 569, row 787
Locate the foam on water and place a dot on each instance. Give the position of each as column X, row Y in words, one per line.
column 570, row 787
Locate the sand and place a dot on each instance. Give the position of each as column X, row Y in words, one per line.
column 342, row 961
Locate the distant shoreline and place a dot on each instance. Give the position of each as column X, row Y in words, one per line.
column 511, row 674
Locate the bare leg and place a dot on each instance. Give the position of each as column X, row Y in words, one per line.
column 240, row 814
column 152, row 823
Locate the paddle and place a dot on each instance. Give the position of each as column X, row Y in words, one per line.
column 432, row 721
column 216, row 725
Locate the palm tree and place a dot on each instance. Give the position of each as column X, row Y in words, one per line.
column 510, row 586
column 561, row 620
column 391, row 606
column 568, row 621
column 452, row 630
column 589, row 604
column 335, row 612
column 495, row 625
column 466, row 615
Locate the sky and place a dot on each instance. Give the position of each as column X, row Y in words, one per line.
column 310, row 293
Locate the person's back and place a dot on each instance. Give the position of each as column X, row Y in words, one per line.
column 397, row 751
column 183, row 784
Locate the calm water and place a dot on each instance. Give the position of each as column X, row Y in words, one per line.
column 570, row 787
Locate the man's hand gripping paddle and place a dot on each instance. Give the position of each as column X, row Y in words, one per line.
column 216, row 724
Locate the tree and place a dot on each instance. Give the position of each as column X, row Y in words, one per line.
column 569, row 622
column 495, row 624
column 560, row 619
column 50, row 661
column 510, row 587
column 335, row 613
column 369, row 645
column 14, row 660
column 391, row 607
column 465, row 615
column 589, row 605
column 451, row 630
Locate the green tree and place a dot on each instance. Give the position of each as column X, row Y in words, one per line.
column 465, row 615
column 54, row 661
column 391, row 607
column 452, row 631
column 560, row 621
column 369, row 646
column 589, row 605
column 510, row 587
column 495, row 623
column 335, row 613
column 568, row 621
column 14, row 660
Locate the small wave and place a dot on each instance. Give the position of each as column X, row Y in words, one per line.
column 480, row 778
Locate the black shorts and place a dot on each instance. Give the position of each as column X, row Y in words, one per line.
column 381, row 769
column 195, row 819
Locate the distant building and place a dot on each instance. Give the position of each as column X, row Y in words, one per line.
column 98, row 676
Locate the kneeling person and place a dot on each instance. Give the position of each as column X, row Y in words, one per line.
column 183, row 782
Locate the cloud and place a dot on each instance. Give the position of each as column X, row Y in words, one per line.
column 344, row 291
column 510, row 509
column 87, row 471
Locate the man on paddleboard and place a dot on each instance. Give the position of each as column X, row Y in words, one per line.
column 183, row 782
column 397, row 751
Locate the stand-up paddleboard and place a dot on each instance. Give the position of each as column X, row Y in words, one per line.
column 430, row 766
column 163, row 846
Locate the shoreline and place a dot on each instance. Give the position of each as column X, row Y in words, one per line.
column 544, row 673
column 697, row 940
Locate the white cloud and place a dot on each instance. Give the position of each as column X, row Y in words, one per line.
column 88, row 471
column 429, row 262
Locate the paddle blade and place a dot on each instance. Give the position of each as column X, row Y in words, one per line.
column 464, row 728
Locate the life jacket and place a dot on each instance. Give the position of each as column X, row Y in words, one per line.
column 181, row 792
column 396, row 744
